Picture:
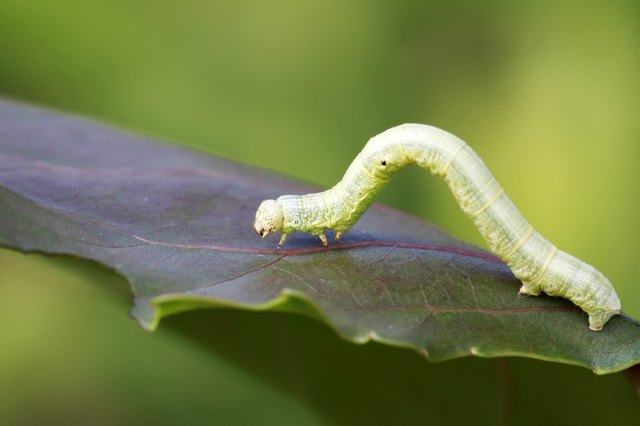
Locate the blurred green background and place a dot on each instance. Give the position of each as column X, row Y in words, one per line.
column 547, row 92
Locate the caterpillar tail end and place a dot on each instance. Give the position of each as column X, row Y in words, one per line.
column 598, row 319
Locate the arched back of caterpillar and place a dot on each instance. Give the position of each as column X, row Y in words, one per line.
column 534, row 260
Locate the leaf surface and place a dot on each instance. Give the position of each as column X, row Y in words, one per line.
column 177, row 225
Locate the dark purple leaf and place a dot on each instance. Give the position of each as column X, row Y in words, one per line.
column 177, row 225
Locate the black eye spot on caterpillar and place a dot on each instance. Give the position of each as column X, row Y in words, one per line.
column 540, row 265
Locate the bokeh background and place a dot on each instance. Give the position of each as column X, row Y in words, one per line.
column 547, row 92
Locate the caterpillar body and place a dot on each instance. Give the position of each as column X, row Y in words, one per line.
column 540, row 265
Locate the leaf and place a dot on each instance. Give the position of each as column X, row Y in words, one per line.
column 177, row 225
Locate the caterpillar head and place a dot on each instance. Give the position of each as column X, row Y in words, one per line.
column 269, row 217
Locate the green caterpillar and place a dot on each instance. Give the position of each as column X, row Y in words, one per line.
column 534, row 260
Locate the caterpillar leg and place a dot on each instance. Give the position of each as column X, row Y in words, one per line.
column 324, row 240
column 529, row 289
column 338, row 236
column 283, row 238
column 599, row 318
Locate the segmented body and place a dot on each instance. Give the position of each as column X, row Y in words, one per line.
column 533, row 259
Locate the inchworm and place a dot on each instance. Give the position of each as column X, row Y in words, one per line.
column 534, row 260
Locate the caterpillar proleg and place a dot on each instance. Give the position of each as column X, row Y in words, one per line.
column 534, row 260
